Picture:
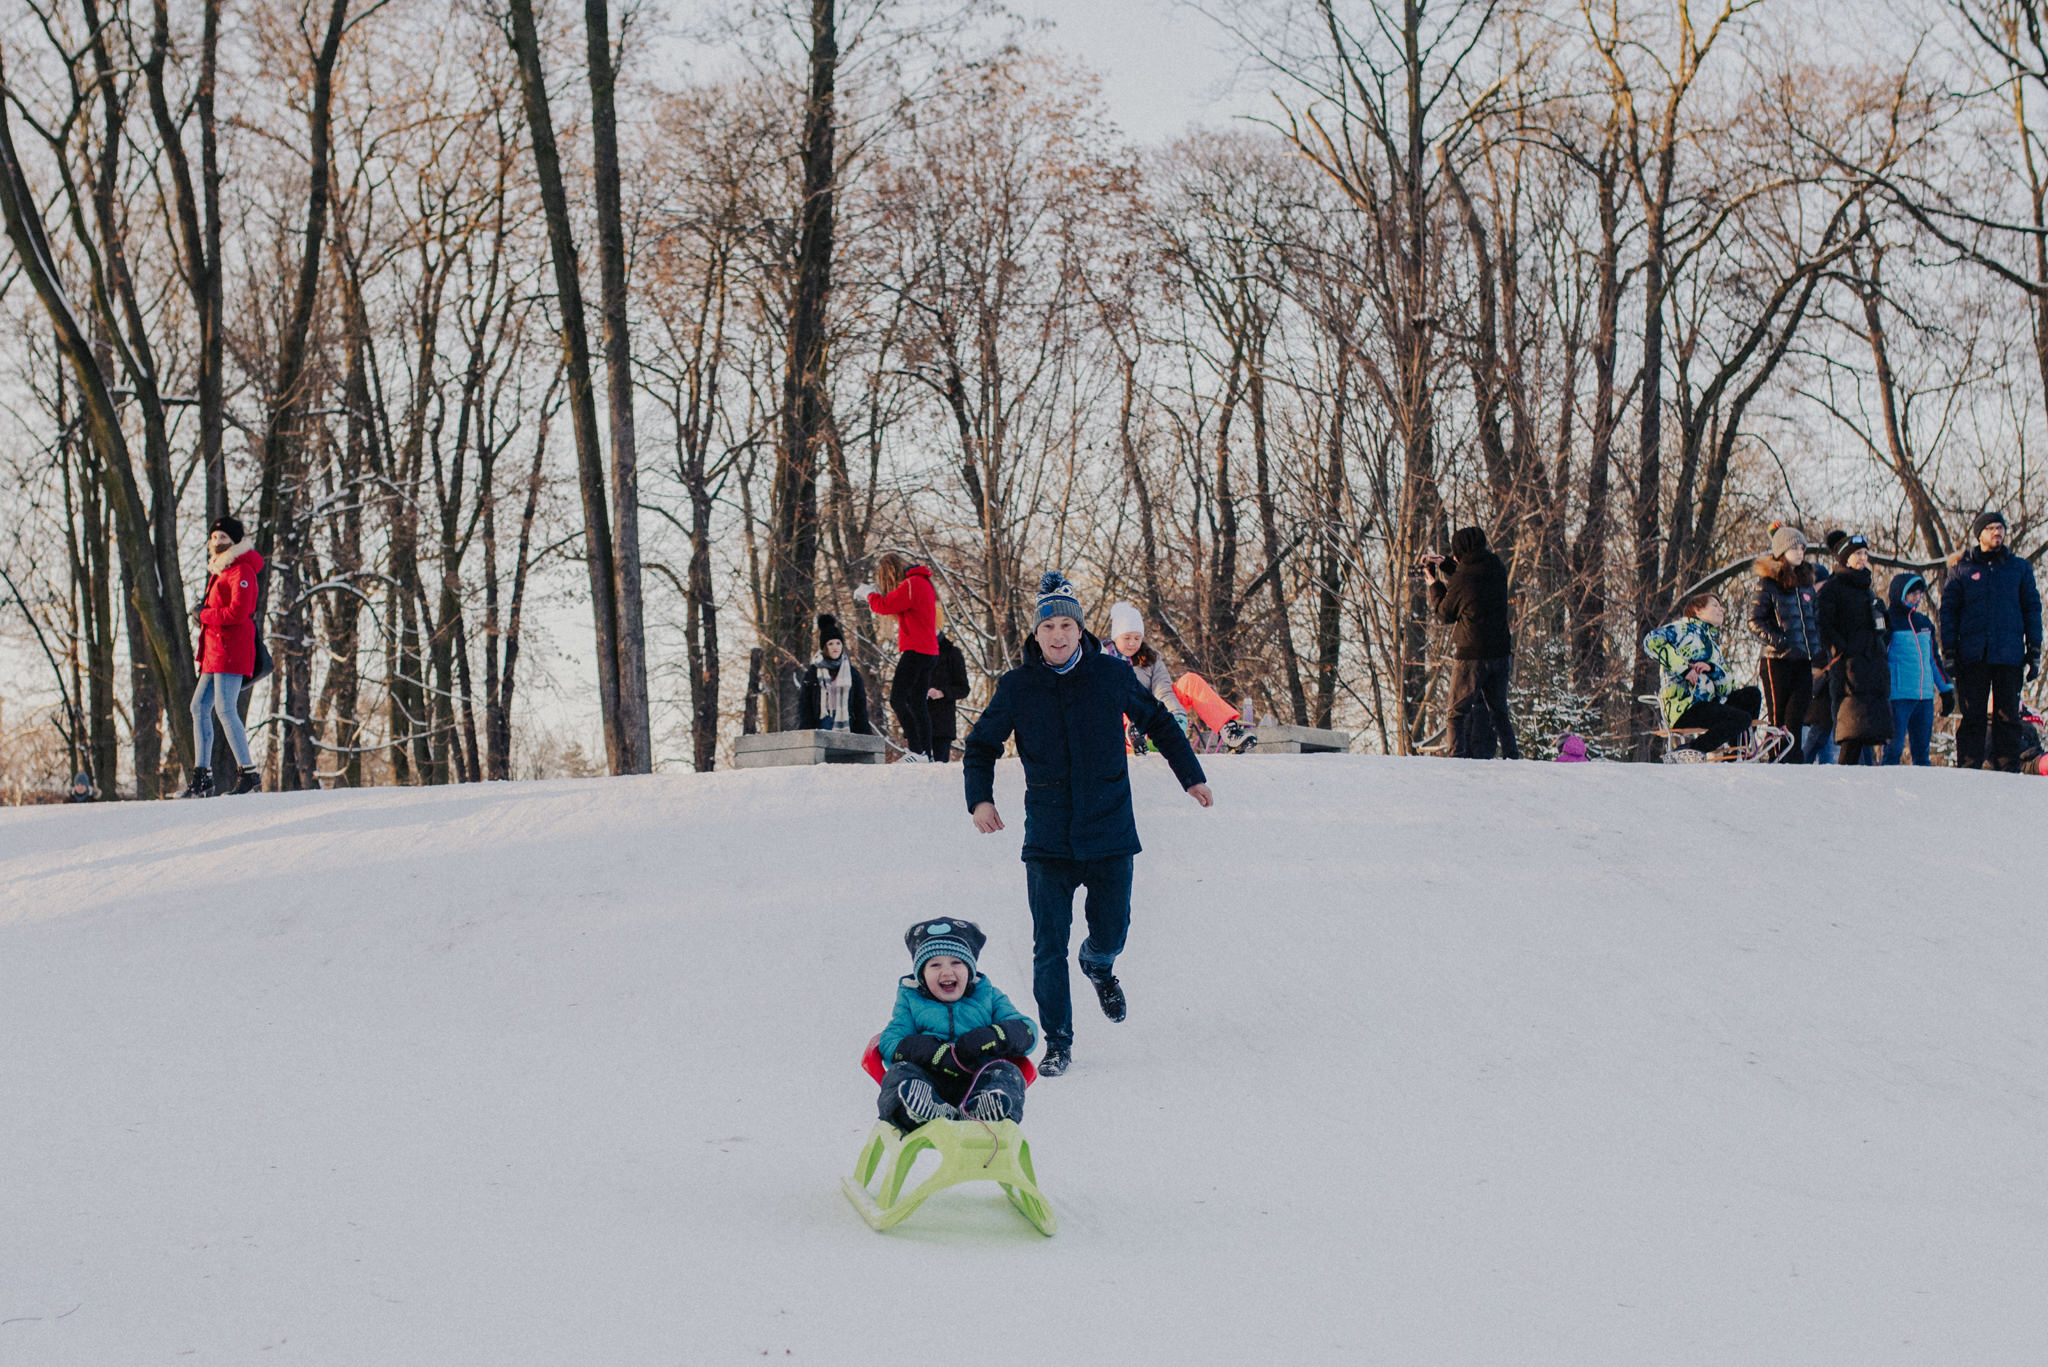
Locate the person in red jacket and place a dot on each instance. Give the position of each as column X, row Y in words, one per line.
column 227, row 654
column 904, row 591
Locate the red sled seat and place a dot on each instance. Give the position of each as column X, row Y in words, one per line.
column 871, row 1060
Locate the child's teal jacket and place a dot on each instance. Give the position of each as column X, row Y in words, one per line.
column 919, row 1013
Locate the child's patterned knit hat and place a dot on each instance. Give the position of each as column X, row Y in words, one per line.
column 929, row 939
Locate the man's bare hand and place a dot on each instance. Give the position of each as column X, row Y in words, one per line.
column 988, row 823
column 1200, row 793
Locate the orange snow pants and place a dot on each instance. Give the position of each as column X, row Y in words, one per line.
column 1195, row 694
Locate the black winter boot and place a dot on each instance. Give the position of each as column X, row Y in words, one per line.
column 1056, row 1060
column 201, row 785
column 250, row 781
column 1110, row 993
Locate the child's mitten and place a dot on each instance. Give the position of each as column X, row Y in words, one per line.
column 926, row 1051
column 985, row 1043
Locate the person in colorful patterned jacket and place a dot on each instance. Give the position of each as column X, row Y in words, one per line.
column 1695, row 692
column 952, row 1041
column 1917, row 676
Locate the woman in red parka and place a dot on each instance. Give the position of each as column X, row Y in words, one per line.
column 227, row 654
column 904, row 591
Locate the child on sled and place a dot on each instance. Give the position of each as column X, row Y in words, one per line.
column 949, row 1045
column 1127, row 643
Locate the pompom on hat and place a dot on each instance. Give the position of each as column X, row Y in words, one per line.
column 1784, row 538
column 929, row 939
column 828, row 630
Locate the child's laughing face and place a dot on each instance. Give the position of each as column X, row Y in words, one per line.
column 946, row 978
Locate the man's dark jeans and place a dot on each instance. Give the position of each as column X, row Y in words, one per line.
column 1998, row 686
column 1479, row 692
column 1052, row 884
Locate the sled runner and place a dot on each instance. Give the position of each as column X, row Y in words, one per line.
column 1760, row 744
column 968, row 1151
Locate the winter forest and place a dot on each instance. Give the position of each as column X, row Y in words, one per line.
column 562, row 378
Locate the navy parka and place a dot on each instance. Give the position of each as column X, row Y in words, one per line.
column 1990, row 609
column 1070, row 735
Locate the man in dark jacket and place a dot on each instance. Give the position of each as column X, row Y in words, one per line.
column 1990, row 635
column 1470, row 592
column 949, row 688
column 1066, row 706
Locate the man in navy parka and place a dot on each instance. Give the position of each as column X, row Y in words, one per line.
column 1990, row 636
column 1066, row 706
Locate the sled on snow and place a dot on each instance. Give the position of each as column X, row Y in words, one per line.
column 968, row 1151
column 1762, row 743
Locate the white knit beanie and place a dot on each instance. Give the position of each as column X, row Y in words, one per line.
column 1123, row 617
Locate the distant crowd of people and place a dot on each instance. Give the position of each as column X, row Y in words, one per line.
column 1852, row 675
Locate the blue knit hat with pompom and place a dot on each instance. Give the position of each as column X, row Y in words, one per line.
column 1056, row 598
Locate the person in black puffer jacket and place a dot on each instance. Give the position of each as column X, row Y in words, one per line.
column 1856, row 634
column 1470, row 592
column 1781, row 615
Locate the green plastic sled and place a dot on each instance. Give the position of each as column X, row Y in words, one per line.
column 968, row 1151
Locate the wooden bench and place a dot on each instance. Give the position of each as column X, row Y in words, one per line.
column 773, row 749
column 1298, row 740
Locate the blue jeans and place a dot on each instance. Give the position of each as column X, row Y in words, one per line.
column 1820, row 743
column 1912, row 718
column 218, row 694
column 1051, row 884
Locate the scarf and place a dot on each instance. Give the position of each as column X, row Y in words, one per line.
column 835, row 692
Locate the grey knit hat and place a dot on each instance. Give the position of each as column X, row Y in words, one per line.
column 1784, row 538
column 1990, row 517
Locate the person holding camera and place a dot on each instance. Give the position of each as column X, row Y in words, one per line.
column 1469, row 591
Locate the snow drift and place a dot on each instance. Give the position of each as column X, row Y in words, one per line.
column 1428, row 1063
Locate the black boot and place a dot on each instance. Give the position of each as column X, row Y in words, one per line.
column 201, row 785
column 1056, row 1060
column 1110, row 993
column 250, row 781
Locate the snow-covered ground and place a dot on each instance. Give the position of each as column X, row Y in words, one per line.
column 1428, row 1063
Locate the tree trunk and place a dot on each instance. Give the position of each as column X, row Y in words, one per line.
column 793, row 541
column 636, row 754
column 599, row 551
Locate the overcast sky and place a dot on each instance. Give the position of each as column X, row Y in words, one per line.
column 1164, row 67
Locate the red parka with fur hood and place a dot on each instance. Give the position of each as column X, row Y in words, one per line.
column 227, row 622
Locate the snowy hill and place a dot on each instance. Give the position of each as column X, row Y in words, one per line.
column 1428, row 1063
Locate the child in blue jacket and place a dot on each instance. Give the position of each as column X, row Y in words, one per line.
column 952, row 1038
column 1918, row 680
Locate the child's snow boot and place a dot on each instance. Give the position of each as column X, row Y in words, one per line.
column 201, row 785
column 1237, row 737
column 1110, row 993
column 989, row 1107
column 1057, row 1059
column 921, row 1104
